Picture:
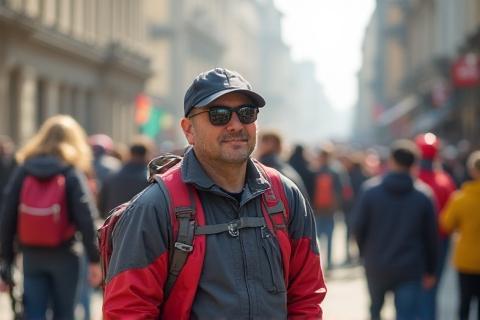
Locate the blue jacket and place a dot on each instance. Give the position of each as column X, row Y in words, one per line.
column 395, row 227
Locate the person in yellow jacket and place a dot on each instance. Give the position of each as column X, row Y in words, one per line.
column 462, row 214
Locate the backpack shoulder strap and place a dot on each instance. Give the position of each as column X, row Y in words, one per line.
column 276, row 212
column 274, row 198
column 185, row 216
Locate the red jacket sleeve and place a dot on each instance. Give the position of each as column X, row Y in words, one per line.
column 138, row 266
column 136, row 293
column 306, row 285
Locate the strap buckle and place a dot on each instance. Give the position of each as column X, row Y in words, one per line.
column 233, row 229
column 183, row 247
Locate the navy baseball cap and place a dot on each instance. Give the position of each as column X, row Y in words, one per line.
column 210, row 85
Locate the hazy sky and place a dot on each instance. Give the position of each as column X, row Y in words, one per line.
column 330, row 33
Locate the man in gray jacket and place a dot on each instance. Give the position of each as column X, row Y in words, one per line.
column 242, row 273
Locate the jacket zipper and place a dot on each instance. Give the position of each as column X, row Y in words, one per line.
column 245, row 272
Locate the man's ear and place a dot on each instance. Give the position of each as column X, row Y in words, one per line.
column 188, row 130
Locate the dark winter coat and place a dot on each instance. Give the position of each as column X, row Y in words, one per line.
column 120, row 187
column 394, row 225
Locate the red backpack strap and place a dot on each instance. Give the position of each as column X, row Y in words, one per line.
column 276, row 213
column 186, row 212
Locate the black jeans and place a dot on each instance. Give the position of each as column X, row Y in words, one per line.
column 469, row 288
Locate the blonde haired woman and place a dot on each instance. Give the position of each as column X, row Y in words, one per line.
column 58, row 152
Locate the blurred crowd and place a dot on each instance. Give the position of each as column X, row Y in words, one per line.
column 339, row 181
column 400, row 205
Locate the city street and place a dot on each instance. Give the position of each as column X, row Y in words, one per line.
column 347, row 297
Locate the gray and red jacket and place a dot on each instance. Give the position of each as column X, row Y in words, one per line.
column 240, row 276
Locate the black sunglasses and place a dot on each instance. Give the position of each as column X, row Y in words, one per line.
column 220, row 115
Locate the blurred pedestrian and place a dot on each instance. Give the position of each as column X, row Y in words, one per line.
column 104, row 164
column 442, row 185
column 46, row 202
column 269, row 150
column 106, row 161
column 7, row 161
column 234, row 269
column 327, row 197
column 462, row 215
column 121, row 186
column 353, row 164
column 300, row 163
column 394, row 225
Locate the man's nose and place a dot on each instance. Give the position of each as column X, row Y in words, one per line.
column 234, row 122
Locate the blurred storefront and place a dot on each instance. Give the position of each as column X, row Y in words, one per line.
column 427, row 73
column 81, row 58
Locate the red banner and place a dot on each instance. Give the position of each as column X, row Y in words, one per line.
column 466, row 72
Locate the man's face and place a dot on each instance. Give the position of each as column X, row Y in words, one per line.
column 231, row 143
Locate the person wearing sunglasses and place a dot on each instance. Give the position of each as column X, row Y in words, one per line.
column 242, row 274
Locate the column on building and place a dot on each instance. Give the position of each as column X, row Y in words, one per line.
column 77, row 17
column 129, row 11
column 89, row 107
column 102, row 21
column 130, row 112
column 51, row 97
column 137, row 30
column 116, row 23
column 122, row 123
column 127, row 119
column 102, row 111
column 89, row 20
column 64, row 15
column 48, row 12
column 58, row 14
column 79, row 105
column 4, row 103
column 66, row 99
column 121, row 21
column 16, row 5
column 117, row 126
column 27, row 106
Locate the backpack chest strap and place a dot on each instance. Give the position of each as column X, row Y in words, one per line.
column 233, row 227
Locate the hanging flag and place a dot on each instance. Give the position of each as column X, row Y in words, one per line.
column 143, row 105
column 152, row 127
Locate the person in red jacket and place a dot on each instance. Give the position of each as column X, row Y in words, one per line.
column 242, row 275
column 442, row 186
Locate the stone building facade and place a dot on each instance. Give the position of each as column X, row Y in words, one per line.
column 77, row 57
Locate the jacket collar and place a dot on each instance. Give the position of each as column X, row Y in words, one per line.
column 193, row 172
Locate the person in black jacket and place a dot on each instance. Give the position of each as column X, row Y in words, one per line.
column 394, row 225
column 121, row 186
column 51, row 272
column 299, row 162
column 7, row 161
column 269, row 149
